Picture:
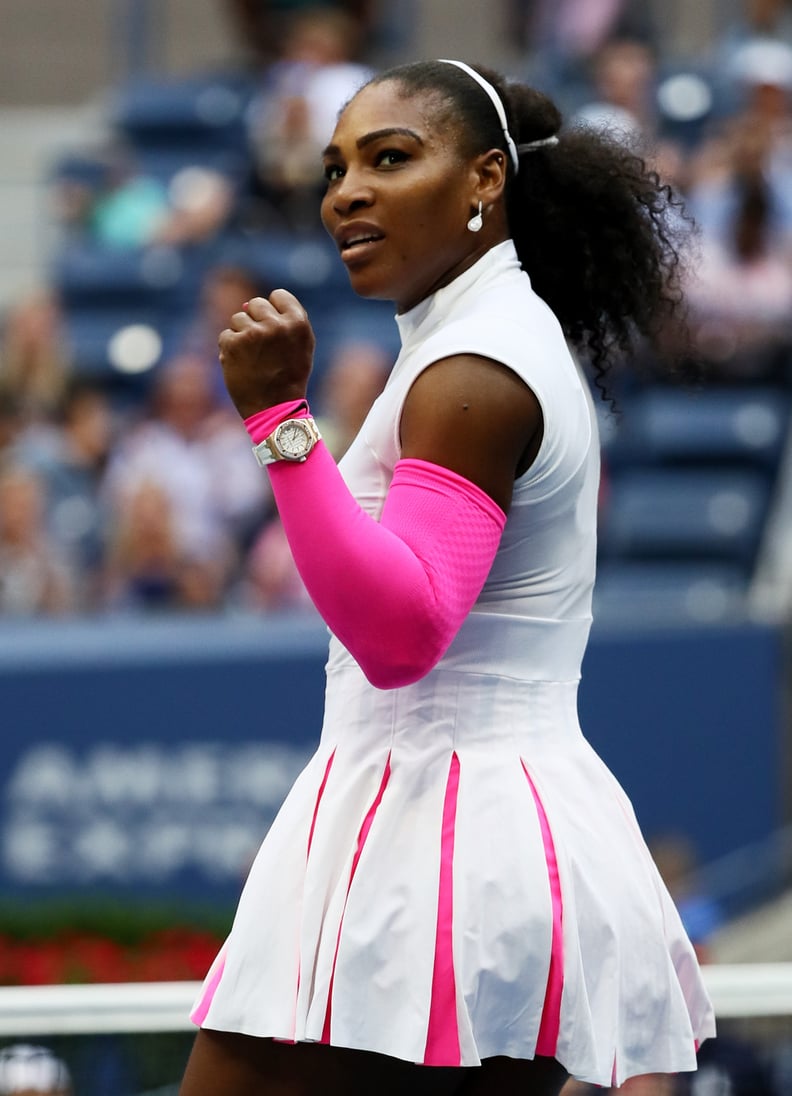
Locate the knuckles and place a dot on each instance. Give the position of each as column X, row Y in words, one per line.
column 263, row 342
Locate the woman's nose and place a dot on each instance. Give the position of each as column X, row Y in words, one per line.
column 350, row 194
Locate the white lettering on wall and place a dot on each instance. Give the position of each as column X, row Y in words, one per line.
column 142, row 813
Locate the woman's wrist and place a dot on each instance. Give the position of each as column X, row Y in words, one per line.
column 261, row 424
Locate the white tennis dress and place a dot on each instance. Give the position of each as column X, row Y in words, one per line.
column 456, row 874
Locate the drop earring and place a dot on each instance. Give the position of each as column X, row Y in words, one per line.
column 477, row 220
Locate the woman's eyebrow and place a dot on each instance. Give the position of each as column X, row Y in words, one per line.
column 375, row 135
column 391, row 131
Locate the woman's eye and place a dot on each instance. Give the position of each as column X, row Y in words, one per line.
column 389, row 157
column 333, row 172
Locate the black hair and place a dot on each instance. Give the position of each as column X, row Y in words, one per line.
column 596, row 230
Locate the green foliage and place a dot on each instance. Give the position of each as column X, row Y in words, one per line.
column 120, row 920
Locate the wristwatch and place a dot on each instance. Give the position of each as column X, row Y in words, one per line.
column 292, row 440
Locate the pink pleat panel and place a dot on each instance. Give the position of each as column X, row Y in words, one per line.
column 547, row 1040
column 198, row 1014
column 319, row 795
column 442, row 1038
column 361, row 841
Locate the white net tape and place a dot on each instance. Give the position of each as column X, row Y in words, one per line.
column 744, row 990
column 97, row 1009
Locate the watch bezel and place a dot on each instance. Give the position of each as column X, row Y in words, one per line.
column 304, row 426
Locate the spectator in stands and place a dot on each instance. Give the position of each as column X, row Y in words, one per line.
column 270, row 581
column 762, row 72
column 201, row 201
column 128, row 208
column 761, row 77
column 356, row 374
column 563, row 37
column 182, row 498
column 33, row 366
column 71, row 458
column 109, row 200
column 755, row 21
column 624, row 100
column 623, row 78
column 740, row 292
column 191, row 447
column 27, row 1070
column 760, row 18
column 149, row 565
column 263, row 25
column 34, row 578
column 302, row 92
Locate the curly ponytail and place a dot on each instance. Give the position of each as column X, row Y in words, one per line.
column 595, row 229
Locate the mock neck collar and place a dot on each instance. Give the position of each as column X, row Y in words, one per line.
column 500, row 258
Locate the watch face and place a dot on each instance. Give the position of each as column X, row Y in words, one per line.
column 293, row 440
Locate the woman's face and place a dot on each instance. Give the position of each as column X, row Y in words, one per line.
column 399, row 195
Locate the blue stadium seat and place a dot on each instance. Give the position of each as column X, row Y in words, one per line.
column 213, row 105
column 736, row 425
column 669, row 593
column 87, row 274
column 301, row 262
column 686, row 100
column 197, row 120
column 90, row 333
column 684, row 513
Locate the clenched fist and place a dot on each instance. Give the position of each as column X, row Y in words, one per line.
column 267, row 353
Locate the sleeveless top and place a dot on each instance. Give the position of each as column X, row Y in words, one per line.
column 543, row 574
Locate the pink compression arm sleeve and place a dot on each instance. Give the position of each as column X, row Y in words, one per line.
column 394, row 592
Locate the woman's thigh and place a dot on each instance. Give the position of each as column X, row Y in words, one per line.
column 227, row 1064
column 515, row 1077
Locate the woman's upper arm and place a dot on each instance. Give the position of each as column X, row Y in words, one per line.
column 476, row 417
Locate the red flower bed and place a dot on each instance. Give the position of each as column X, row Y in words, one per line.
column 175, row 954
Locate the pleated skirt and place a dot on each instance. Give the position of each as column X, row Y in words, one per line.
column 457, row 875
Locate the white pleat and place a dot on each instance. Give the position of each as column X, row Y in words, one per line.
column 258, row 990
column 501, row 900
column 347, row 799
column 619, row 929
column 388, row 936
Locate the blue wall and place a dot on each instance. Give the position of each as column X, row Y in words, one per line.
column 692, row 723
column 150, row 756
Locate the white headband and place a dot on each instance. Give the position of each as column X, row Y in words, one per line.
column 497, row 102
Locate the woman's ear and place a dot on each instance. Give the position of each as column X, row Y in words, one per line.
column 491, row 175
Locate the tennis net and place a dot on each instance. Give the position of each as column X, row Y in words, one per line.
column 133, row 1039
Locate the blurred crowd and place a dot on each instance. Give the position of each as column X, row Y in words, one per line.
column 157, row 507
column 145, row 497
